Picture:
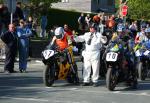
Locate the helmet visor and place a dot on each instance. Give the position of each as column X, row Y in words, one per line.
column 59, row 36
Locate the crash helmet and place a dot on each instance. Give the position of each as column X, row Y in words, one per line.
column 120, row 27
column 59, row 33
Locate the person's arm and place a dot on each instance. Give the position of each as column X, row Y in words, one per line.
column 137, row 39
column 79, row 38
column 103, row 39
column 28, row 32
column 4, row 37
column 52, row 43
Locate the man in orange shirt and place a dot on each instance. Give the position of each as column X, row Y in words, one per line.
column 68, row 31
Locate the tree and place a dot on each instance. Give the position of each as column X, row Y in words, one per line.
column 40, row 6
column 139, row 9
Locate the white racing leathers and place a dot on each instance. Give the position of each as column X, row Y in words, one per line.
column 91, row 55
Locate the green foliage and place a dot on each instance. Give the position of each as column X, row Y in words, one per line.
column 44, row 3
column 39, row 7
column 139, row 9
column 117, row 4
column 1, row 1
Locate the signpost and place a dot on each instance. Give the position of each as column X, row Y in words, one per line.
column 11, row 7
column 124, row 10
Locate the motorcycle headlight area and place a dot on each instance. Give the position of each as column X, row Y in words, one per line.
column 111, row 56
column 147, row 53
column 138, row 53
column 47, row 54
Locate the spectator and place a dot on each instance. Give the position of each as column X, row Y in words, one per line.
column 1, row 12
column 110, row 23
column 68, row 31
column 81, row 22
column 51, row 32
column 118, row 20
column 97, row 18
column 133, row 28
column 140, row 35
column 5, row 18
column 10, row 39
column 31, row 25
column 87, row 20
column 25, row 12
column 23, row 33
column 18, row 13
column 43, row 25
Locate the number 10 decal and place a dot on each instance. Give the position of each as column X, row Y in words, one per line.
column 111, row 56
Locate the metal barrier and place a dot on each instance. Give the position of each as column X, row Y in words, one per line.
column 2, row 50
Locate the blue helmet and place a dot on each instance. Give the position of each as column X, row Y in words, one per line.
column 120, row 27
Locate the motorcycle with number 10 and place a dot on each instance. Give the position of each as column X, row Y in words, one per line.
column 117, row 69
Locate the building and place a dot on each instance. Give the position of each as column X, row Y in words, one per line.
column 86, row 5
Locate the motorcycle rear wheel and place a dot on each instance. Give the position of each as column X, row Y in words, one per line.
column 73, row 78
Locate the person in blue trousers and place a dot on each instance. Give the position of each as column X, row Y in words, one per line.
column 23, row 33
column 43, row 26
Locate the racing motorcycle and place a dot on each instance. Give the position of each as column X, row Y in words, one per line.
column 143, row 66
column 117, row 69
column 60, row 65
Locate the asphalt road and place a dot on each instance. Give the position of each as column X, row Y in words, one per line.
column 29, row 88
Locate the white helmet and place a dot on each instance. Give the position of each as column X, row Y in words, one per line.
column 59, row 33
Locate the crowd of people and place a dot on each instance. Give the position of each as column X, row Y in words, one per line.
column 126, row 34
column 96, row 32
column 103, row 31
column 16, row 37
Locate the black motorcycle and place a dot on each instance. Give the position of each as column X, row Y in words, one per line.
column 60, row 65
column 118, row 69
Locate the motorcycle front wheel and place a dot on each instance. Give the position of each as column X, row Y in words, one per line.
column 110, row 79
column 49, row 75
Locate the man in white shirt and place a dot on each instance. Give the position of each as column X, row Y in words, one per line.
column 91, row 54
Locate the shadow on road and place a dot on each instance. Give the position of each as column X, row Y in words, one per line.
column 142, row 85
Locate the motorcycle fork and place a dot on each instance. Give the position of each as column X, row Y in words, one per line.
column 115, row 70
column 70, row 60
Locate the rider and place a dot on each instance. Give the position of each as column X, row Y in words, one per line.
column 140, row 35
column 61, row 43
column 125, row 45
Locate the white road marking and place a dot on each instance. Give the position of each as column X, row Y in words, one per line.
column 29, row 99
column 6, row 88
column 40, row 100
column 144, row 93
column 117, row 92
column 38, row 61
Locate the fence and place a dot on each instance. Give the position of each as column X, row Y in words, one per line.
column 2, row 50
